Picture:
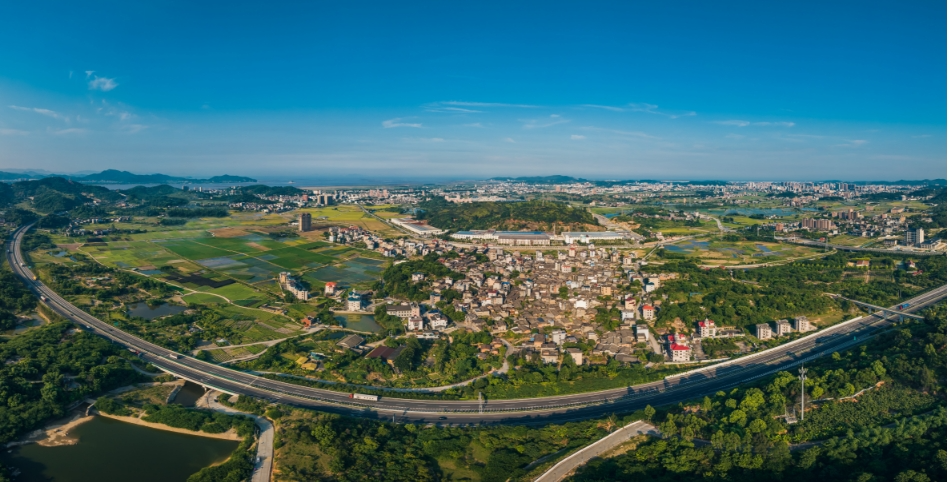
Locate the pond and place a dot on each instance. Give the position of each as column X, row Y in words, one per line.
column 113, row 450
column 687, row 246
column 189, row 394
column 150, row 313
column 359, row 322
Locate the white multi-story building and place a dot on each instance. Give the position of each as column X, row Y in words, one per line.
column 439, row 321
column 354, row 302
column 293, row 286
column 415, row 323
column 782, row 328
column 707, row 328
column 680, row 353
column 763, row 331
column 802, row 324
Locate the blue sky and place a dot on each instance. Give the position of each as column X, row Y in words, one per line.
column 670, row 90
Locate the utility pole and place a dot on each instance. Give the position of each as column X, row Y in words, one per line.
column 803, row 376
column 480, row 403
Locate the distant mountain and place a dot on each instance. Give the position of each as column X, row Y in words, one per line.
column 227, row 178
column 125, row 177
column 114, row 176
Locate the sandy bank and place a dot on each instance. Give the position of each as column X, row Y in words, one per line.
column 229, row 435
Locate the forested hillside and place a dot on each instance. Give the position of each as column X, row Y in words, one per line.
column 529, row 215
column 874, row 413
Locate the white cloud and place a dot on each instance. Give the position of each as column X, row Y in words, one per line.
column 652, row 109
column 89, row 73
column 487, row 104
column 508, row 139
column 397, row 122
column 476, row 124
column 533, row 124
column 621, row 132
column 741, row 123
column 744, row 123
column 46, row 112
column 641, row 107
column 69, row 131
column 853, row 143
column 605, row 107
column 923, row 136
column 577, row 137
column 737, row 123
column 102, row 83
column 12, row 132
column 436, row 107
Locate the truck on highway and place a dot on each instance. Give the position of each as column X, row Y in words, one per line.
column 43, row 297
column 904, row 306
column 362, row 396
column 174, row 356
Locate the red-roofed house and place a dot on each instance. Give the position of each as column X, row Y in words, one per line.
column 330, row 288
column 649, row 313
column 707, row 328
column 680, row 353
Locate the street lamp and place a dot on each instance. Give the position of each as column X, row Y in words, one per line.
column 802, row 376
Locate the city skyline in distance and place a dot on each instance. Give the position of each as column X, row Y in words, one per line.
column 329, row 92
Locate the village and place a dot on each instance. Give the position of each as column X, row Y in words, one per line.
column 591, row 304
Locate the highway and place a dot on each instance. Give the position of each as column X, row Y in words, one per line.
column 560, row 408
column 840, row 247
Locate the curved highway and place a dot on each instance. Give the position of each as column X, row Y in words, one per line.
column 676, row 388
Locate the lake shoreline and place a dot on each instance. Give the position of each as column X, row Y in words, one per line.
column 54, row 434
column 229, row 435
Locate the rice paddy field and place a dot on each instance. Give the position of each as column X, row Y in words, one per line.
column 229, row 265
column 234, row 259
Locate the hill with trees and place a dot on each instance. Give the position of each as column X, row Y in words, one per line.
column 529, row 215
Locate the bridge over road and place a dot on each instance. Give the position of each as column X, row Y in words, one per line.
column 870, row 308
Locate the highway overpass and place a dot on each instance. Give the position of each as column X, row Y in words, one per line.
column 673, row 389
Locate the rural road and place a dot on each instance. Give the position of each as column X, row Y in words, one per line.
column 581, row 457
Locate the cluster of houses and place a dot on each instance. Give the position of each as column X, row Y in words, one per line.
column 75, row 229
column 390, row 249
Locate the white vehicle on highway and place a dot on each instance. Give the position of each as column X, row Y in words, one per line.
column 174, row 356
column 362, row 396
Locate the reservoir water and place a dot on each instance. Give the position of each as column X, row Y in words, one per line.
column 359, row 322
column 150, row 312
column 113, row 450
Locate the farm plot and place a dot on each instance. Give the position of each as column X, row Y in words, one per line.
column 193, row 250
column 296, row 258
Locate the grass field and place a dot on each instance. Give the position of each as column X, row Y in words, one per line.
column 353, row 215
column 712, row 251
